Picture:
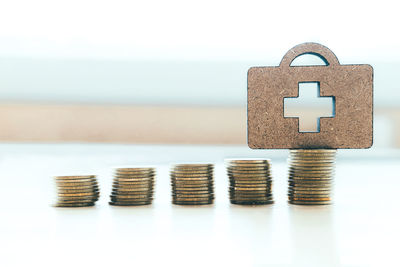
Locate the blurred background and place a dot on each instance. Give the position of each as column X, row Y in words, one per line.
column 175, row 71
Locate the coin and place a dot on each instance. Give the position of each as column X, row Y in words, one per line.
column 130, row 198
column 247, row 171
column 310, row 183
column 132, row 189
column 193, row 166
column 190, row 179
column 73, row 205
column 138, row 169
column 137, row 181
column 208, row 202
column 308, row 191
column 72, row 179
column 254, row 202
column 130, row 203
column 249, row 188
column 296, row 202
column 78, row 195
column 133, row 183
column 75, row 201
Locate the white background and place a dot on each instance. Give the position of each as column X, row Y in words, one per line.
column 180, row 52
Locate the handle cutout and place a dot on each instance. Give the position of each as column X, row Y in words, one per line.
column 309, row 60
column 309, row 49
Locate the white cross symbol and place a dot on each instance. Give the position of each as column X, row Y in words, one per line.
column 324, row 107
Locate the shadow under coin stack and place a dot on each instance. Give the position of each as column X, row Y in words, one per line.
column 133, row 187
column 250, row 181
column 77, row 191
column 310, row 176
column 192, row 184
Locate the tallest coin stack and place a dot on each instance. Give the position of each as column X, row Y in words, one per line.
column 311, row 176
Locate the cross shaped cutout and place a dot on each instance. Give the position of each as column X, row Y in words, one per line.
column 309, row 95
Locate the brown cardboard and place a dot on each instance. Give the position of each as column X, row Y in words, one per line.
column 350, row 85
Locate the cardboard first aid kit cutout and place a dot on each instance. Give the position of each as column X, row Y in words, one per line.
column 350, row 86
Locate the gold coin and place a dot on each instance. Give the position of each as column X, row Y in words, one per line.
column 194, row 165
column 134, row 203
column 188, row 174
column 132, row 189
column 71, row 202
column 192, row 178
column 74, row 177
column 192, row 170
column 75, row 194
column 76, row 205
column 233, row 194
column 75, row 190
column 310, row 178
column 193, row 198
column 188, row 186
column 310, row 198
column 132, row 180
column 247, row 170
column 75, row 183
column 192, row 203
column 296, row 190
column 254, row 202
column 130, row 199
column 136, row 193
column 132, row 183
column 141, row 176
column 135, row 169
column 248, row 167
column 192, row 183
column 299, row 202
column 135, row 175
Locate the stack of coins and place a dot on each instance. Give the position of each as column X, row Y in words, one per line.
column 76, row 191
column 192, row 184
column 250, row 181
column 133, row 187
column 310, row 176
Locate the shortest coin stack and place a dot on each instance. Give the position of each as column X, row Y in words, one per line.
column 250, row 181
column 311, row 176
column 76, row 191
column 133, row 187
column 192, row 184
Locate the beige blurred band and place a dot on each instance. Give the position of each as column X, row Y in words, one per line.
column 122, row 124
column 136, row 124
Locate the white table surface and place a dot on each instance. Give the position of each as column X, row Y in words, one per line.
column 360, row 229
